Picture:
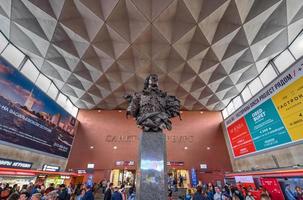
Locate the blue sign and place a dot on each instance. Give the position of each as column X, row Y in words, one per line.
column 194, row 179
column 266, row 127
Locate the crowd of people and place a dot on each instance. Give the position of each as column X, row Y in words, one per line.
column 40, row 192
column 228, row 192
column 87, row 192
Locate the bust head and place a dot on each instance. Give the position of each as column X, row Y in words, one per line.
column 151, row 81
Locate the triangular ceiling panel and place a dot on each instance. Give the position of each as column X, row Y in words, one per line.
column 204, row 51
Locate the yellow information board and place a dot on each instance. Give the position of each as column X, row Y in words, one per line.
column 289, row 103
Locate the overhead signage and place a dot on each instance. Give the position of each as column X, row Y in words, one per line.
column 7, row 163
column 125, row 163
column 81, row 171
column 50, row 168
column 65, row 177
column 271, row 119
column 90, row 166
column 175, row 163
column 203, row 166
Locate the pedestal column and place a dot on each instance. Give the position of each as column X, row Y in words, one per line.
column 151, row 182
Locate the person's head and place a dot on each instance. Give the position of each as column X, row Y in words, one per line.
column 116, row 189
column 217, row 189
column 122, row 186
column 24, row 195
column 189, row 191
column 36, row 196
column 110, row 185
column 264, row 197
column 298, row 189
column 13, row 196
column 52, row 185
column 151, row 81
column 199, row 189
column 51, row 195
column 62, row 186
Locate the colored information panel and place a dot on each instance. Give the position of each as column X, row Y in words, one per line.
column 289, row 103
column 266, row 127
column 272, row 118
column 29, row 118
column 240, row 138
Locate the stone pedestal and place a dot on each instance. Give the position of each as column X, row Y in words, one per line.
column 151, row 182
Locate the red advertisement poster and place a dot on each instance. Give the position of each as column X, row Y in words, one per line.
column 273, row 187
column 240, row 138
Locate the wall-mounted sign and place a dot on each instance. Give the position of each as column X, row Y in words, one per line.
column 50, row 168
column 272, row 118
column 30, row 118
column 193, row 177
column 125, row 163
column 179, row 139
column 7, row 163
column 90, row 166
column 175, row 163
column 65, row 177
column 203, row 166
column 81, row 171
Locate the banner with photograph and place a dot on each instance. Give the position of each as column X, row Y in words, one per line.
column 29, row 118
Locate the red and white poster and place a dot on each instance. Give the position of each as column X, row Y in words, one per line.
column 273, row 187
column 240, row 138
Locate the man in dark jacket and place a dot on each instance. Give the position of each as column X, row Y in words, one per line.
column 108, row 192
column 88, row 194
column 117, row 195
column 63, row 194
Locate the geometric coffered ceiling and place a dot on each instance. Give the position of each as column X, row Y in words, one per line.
column 204, row 51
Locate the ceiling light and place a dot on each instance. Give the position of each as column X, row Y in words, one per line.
column 99, row 110
column 207, row 148
column 91, row 147
column 115, row 147
column 120, row 111
column 185, row 148
column 201, row 112
column 181, row 112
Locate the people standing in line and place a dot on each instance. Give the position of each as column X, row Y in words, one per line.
column 116, row 194
column 108, row 192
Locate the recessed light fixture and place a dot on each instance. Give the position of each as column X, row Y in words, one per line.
column 201, row 112
column 181, row 112
column 115, row 147
column 185, row 148
column 91, row 147
column 99, row 110
column 120, row 111
column 207, row 148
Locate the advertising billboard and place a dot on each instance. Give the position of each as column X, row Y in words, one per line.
column 273, row 118
column 29, row 118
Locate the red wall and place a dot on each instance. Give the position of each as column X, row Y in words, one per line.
column 202, row 130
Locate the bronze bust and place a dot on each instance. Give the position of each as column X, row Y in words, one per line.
column 153, row 108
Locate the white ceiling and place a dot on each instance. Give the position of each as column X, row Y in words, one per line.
column 204, row 51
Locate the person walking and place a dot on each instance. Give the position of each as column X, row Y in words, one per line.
column 89, row 195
